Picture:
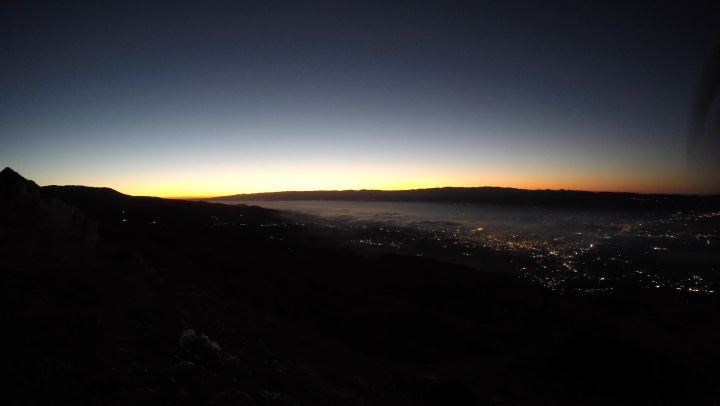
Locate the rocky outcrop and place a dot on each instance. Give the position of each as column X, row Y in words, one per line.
column 32, row 225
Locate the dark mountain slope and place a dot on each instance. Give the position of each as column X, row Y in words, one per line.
column 289, row 324
column 76, row 312
column 29, row 222
column 110, row 205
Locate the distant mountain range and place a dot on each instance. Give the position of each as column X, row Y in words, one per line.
column 496, row 196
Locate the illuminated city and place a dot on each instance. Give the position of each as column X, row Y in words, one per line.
column 581, row 252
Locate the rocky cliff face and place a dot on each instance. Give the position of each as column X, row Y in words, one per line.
column 32, row 225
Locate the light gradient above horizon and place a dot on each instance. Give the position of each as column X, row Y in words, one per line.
column 203, row 99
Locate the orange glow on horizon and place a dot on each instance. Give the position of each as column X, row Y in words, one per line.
column 198, row 189
column 206, row 182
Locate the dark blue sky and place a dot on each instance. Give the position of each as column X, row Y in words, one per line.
column 212, row 98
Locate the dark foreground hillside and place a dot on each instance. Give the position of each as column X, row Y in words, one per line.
column 112, row 299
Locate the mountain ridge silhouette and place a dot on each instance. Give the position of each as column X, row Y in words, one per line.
column 496, row 196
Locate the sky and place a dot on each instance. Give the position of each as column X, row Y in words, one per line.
column 183, row 99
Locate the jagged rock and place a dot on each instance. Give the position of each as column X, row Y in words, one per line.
column 188, row 338
column 34, row 225
column 199, row 345
column 209, row 345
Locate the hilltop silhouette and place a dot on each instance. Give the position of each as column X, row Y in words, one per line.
column 114, row 299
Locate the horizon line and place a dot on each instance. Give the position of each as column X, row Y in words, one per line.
column 434, row 188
